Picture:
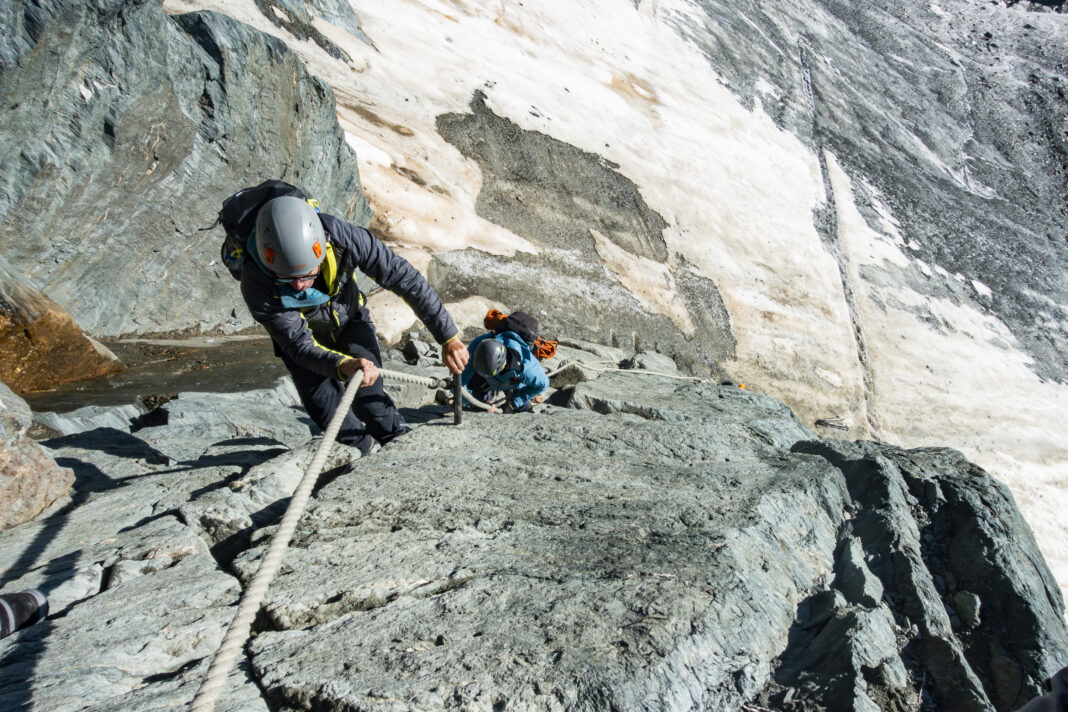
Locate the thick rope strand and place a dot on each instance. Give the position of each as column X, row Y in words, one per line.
column 238, row 632
column 429, row 382
column 410, row 378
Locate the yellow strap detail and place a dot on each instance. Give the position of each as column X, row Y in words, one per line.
column 317, row 344
column 330, row 271
column 340, row 377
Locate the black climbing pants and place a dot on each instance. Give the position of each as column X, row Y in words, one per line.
column 373, row 415
column 481, row 390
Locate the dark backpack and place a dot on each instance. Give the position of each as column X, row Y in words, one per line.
column 525, row 327
column 238, row 217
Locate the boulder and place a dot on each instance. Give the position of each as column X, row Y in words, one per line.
column 41, row 346
column 30, row 480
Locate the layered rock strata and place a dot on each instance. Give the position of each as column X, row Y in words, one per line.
column 134, row 589
column 111, row 176
column 856, row 207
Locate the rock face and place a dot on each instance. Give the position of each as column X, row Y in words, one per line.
column 110, row 177
column 30, row 480
column 584, row 215
column 642, row 542
column 144, row 598
column 840, row 203
column 957, row 127
column 40, row 345
column 953, row 118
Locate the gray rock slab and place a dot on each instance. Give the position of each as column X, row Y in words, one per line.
column 940, row 533
column 264, row 416
column 651, row 361
column 141, row 628
column 682, row 400
column 123, row 478
column 649, row 548
column 89, row 417
column 144, row 132
column 115, row 555
column 229, row 510
column 176, row 692
column 133, row 579
column 610, row 560
column 571, row 348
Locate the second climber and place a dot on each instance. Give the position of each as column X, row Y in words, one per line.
column 504, row 363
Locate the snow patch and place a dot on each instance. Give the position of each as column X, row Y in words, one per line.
column 981, row 289
column 367, row 153
column 651, row 283
column 850, row 221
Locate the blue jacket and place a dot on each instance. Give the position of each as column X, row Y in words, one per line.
column 520, row 384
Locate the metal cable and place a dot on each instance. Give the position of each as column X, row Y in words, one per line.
column 431, row 383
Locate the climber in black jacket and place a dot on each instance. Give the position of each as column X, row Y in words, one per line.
column 300, row 286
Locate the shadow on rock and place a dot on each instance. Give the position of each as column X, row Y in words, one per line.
column 113, row 442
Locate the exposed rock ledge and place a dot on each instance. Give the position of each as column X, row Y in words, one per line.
column 645, row 543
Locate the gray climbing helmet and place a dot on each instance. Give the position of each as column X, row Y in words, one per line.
column 489, row 358
column 289, row 237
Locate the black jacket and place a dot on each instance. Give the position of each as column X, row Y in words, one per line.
column 308, row 336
